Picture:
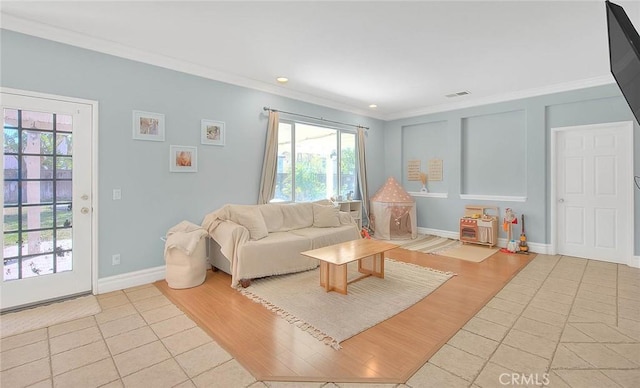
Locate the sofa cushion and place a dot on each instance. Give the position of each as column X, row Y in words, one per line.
column 322, row 237
column 278, row 253
column 273, row 217
column 325, row 216
column 296, row 216
column 251, row 218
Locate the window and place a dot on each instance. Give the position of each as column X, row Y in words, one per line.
column 38, row 170
column 323, row 159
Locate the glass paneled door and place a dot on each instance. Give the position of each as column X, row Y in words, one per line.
column 47, row 206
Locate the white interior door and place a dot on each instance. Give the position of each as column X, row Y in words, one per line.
column 594, row 191
column 47, row 199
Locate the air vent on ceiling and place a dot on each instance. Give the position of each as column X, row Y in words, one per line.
column 458, row 94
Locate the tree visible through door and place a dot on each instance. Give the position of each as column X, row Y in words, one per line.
column 38, row 150
column 40, row 240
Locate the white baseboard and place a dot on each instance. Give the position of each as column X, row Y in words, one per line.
column 544, row 249
column 130, row 279
column 502, row 242
column 634, row 262
column 439, row 233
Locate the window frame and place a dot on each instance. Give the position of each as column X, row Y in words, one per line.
column 338, row 133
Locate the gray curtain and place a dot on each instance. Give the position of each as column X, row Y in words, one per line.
column 362, row 175
column 270, row 163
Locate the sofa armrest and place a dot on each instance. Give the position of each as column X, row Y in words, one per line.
column 229, row 236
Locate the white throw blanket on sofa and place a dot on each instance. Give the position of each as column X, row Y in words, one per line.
column 265, row 240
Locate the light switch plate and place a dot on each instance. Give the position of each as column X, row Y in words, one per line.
column 117, row 194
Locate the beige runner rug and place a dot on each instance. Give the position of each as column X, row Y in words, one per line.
column 475, row 253
column 446, row 247
column 332, row 317
column 427, row 243
column 44, row 316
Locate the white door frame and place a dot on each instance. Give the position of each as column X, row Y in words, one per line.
column 628, row 128
column 94, row 169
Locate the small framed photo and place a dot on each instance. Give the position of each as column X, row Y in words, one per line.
column 148, row 126
column 183, row 159
column 212, row 132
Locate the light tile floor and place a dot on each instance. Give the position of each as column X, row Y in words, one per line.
column 561, row 322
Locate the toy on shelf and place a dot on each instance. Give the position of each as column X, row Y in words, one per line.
column 423, row 179
column 507, row 225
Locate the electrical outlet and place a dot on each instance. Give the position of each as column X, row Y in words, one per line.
column 115, row 259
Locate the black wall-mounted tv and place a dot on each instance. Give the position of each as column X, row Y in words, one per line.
column 624, row 55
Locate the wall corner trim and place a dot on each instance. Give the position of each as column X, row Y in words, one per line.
column 130, row 279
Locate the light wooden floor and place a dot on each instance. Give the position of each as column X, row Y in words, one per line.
column 391, row 352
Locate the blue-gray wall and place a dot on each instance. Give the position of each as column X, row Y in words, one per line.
column 512, row 159
column 153, row 199
column 500, row 149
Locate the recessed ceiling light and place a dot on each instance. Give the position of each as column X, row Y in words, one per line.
column 282, row 80
column 373, row 106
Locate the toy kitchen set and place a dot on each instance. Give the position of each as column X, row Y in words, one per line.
column 479, row 225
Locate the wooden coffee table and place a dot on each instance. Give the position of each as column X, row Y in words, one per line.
column 334, row 260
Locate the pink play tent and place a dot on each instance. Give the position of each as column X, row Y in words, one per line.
column 393, row 213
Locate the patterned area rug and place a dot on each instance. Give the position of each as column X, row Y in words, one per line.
column 43, row 316
column 332, row 317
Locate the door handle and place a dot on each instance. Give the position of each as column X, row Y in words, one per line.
column 84, row 210
column 561, row 200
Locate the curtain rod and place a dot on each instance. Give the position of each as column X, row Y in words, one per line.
column 315, row 118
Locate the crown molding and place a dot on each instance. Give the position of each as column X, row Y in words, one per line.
column 562, row 87
column 44, row 31
column 40, row 30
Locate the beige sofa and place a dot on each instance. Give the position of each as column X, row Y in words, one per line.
column 253, row 241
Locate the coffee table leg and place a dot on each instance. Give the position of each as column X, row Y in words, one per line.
column 372, row 265
column 324, row 275
column 339, row 278
column 333, row 277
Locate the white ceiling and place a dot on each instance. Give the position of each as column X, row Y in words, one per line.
column 403, row 56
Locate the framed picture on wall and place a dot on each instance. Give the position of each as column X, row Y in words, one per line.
column 212, row 132
column 183, row 159
column 148, row 126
